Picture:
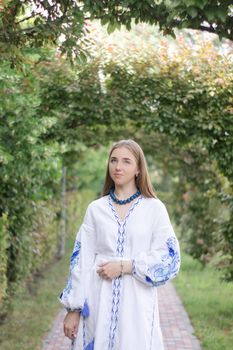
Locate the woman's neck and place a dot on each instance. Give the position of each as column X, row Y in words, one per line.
column 123, row 192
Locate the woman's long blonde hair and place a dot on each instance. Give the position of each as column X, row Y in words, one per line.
column 142, row 181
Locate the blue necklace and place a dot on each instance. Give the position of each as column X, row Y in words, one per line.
column 123, row 201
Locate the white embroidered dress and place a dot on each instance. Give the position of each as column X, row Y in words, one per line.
column 121, row 314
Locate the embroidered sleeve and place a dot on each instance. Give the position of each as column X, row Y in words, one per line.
column 73, row 296
column 162, row 262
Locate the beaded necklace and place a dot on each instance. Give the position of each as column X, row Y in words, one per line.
column 123, row 201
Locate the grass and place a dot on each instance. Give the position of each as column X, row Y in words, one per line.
column 209, row 303
column 34, row 309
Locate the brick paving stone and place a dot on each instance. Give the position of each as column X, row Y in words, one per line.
column 177, row 330
column 178, row 333
column 55, row 339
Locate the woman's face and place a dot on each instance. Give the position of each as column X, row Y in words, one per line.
column 123, row 166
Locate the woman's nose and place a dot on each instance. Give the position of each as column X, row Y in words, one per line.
column 118, row 166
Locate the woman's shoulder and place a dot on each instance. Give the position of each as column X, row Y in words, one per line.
column 155, row 204
column 98, row 203
column 153, row 201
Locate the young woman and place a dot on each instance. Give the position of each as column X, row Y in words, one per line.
column 125, row 248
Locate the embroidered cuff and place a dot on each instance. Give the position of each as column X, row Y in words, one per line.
column 68, row 309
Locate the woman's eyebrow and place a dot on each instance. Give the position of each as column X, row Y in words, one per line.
column 125, row 158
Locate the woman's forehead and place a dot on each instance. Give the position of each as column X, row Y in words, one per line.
column 122, row 152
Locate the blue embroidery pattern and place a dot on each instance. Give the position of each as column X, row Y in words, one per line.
column 75, row 255
column 158, row 274
column 90, row 346
column 73, row 261
column 116, row 283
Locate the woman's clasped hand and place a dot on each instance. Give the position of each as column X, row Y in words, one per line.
column 113, row 269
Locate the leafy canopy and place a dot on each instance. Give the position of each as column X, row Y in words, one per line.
column 37, row 23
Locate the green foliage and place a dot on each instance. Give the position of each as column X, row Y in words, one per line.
column 90, row 169
column 43, row 235
column 28, row 23
column 39, row 23
column 29, row 169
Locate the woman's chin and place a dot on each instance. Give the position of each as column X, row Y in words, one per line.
column 119, row 182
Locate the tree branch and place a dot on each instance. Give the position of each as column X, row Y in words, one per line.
column 36, row 14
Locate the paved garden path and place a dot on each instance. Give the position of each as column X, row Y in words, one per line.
column 176, row 327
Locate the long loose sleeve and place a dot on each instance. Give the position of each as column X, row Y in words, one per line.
column 162, row 262
column 74, row 295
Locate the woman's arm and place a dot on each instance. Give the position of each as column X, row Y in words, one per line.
column 74, row 297
column 162, row 262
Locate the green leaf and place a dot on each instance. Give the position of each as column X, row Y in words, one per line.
column 201, row 3
column 221, row 13
column 5, row 157
column 83, row 57
column 192, row 11
column 111, row 27
column 104, row 20
column 210, row 14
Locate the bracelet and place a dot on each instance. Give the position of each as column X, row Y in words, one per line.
column 122, row 267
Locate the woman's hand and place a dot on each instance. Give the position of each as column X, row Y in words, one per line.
column 71, row 323
column 113, row 269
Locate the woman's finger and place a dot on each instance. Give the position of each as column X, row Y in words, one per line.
column 72, row 335
column 68, row 332
column 64, row 329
